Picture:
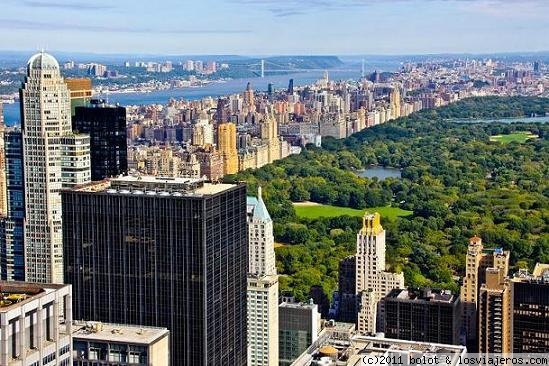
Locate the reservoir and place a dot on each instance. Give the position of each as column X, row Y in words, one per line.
column 380, row 172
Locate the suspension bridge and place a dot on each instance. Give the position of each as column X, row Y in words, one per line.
column 266, row 66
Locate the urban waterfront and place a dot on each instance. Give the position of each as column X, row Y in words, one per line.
column 214, row 89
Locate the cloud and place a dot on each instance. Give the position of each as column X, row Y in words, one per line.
column 510, row 9
column 282, row 13
column 66, row 5
column 45, row 26
column 285, row 8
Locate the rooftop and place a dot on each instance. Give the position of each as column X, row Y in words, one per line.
column 539, row 275
column 541, row 270
column 257, row 208
column 42, row 61
column 424, row 295
column 133, row 334
column 297, row 305
column 357, row 350
column 14, row 294
column 155, row 186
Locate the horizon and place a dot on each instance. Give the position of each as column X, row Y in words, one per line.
column 53, row 52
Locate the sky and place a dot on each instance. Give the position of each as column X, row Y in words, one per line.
column 269, row 27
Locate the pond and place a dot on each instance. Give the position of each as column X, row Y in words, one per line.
column 380, row 172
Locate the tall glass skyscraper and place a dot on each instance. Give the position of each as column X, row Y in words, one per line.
column 12, row 259
column 162, row 252
column 106, row 126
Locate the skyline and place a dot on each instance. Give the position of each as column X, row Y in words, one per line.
column 266, row 27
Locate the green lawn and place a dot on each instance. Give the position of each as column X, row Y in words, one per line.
column 314, row 211
column 519, row 136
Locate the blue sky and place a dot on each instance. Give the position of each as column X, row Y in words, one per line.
column 275, row 26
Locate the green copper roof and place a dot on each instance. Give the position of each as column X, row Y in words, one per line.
column 257, row 207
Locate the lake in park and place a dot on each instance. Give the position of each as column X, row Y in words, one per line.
column 380, row 172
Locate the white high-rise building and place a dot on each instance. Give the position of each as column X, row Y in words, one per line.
column 262, row 287
column 372, row 281
column 46, row 130
column 75, row 159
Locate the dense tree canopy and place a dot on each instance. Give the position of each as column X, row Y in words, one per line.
column 456, row 181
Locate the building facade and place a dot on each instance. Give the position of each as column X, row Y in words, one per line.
column 12, row 249
column 35, row 324
column 347, row 290
column 373, row 282
column 81, row 91
column 494, row 313
column 226, row 138
column 168, row 253
column 3, row 191
column 75, row 160
column 299, row 326
column 422, row 316
column 477, row 261
column 119, row 345
column 530, row 310
column 46, row 121
column 262, row 291
column 106, row 126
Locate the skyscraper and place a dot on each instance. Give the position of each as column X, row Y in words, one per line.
column 530, row 310
column 75, row 160
column 46, row 123
column 470, row 287
column 291, row 87
column 494, row 313
column 262, row 286
column 226, row 138
column 477, row 261
column 345, row 300
column 162, row 252
column 3, row 192
column 422, row 316
column 269, row 133
column 12, row 250
column 249, row 99
column 80, row 92
column 106, row 126
column 372, row 281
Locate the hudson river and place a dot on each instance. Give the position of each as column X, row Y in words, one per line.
column 215, row 89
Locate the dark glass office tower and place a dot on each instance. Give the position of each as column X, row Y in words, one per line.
column 12, row 257
column 106, row 126
column 347, row 290
column 530, row 311
column 169, row 253
column 422, row 316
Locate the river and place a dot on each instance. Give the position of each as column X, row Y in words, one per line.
column 216, row 89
